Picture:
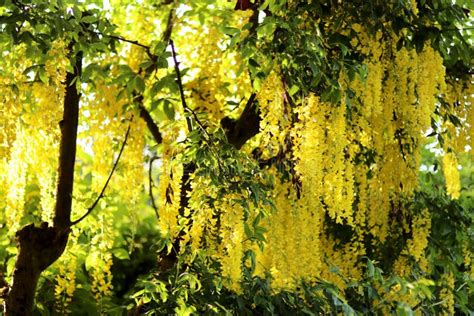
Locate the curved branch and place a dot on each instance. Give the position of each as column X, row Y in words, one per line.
column 101, row 195
column 151, row 185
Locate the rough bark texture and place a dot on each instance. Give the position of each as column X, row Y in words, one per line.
column 40, row 246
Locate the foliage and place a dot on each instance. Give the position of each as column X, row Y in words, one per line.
column 266, row 157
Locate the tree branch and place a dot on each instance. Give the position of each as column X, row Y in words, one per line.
column 123, row 39
column 67, row 154
column 169, row 25
column 151, row 185
column 247, row 126
column 150, row 123
column 101, row 195
column 180, row 87
column 144, row 114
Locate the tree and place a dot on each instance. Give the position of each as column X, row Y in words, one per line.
column 289, row 138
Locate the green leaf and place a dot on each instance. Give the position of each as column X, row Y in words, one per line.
column 77, row 12
column 139, row 84
column 43, row 75
column 293, row 90
column 147, row 64
column 91, row 261
column 370, row 269
column 159, row 48
column 168, row 108
column 89, row 19
column 121, row 254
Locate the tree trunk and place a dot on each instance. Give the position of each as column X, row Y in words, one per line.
column 39, row 248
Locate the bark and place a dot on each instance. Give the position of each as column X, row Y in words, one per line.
column 152, row 127
column 67, row 154
column 247, row 125
column 40, row 246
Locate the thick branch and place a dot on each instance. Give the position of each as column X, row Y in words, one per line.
column 150, row 123
column 247, row 126
column 67, row 154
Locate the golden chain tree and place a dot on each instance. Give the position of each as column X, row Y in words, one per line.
column 251, row 157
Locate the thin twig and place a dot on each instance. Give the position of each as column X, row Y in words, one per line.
column 101, row 195
column 181, row 92
column 180, row 86
column 123, row 39
column 169, row 25
column 151, row 185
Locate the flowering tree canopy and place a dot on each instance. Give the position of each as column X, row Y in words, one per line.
column 241, row 157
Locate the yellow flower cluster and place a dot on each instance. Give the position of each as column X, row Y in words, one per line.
column 468, row 260
column 215, row 74
column 343, row 258
column 447, row 293
column 321, row 147
column 274, row 113
column 291, row 252
column 202, row 217
column 136, row 22
column 65, row 284
column 392, row 112
column 421, row 229
column 29, row 136
column 102, row 277
column 132, row 163
column 15, row 182
column 232, row 238
column 451, row 175
column 169, row 192
column 100, row 256
column 217, row 227
column 414, row 7
column 9, row 114
column 430, row 82
column 104, row 128
column 397, row 100
column 459, row 98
